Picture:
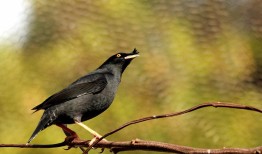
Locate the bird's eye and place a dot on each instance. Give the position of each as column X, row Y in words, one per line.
column 118, row 55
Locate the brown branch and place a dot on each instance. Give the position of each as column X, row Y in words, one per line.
column 171, row 148
column 153, row 145
column 137, row 144
column 214, row 104
column 33, row 145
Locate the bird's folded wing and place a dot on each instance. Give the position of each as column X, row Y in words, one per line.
column 74, row 91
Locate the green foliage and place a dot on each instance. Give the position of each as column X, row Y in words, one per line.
column 191, row 52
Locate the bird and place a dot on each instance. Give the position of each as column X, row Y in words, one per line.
column 85, row 98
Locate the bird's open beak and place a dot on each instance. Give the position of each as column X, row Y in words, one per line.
column 131, row 56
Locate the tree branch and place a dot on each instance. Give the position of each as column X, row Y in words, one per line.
column 152, row 145
column 213, row 104
column 33, row 145
column 137, row 144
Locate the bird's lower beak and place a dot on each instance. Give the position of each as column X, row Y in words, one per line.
column 131, row 56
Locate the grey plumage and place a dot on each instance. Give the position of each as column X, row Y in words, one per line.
column 87, row 97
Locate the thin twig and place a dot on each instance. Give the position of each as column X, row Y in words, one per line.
column 214, row 104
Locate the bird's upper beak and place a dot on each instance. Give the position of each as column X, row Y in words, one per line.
column 132, row 55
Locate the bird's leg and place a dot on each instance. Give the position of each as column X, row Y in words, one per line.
column 71, row 135
column 97, row 136
column 66, row 130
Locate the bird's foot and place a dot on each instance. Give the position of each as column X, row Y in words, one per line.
column 72, row 140
column 95, row 139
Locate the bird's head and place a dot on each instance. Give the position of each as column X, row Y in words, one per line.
column 120, row 60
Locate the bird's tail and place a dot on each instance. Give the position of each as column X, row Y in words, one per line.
column 45, row 121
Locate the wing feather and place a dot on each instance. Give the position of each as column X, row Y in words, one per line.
column 77, row 89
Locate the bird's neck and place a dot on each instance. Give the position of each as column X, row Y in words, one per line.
column 115, row 70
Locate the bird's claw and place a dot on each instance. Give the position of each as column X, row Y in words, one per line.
column 68, row 148
column 102, row 150
column 95, row 139
column 91, row 142
column 72, row 140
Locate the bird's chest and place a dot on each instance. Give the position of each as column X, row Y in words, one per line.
column 104, row 99
column 101, row 101
column 98, row 104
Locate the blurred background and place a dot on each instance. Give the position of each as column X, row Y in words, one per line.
column 191, row 51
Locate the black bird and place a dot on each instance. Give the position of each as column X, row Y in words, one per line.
column 85, row 98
